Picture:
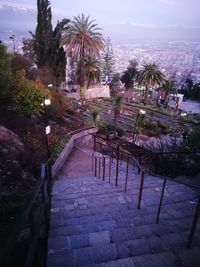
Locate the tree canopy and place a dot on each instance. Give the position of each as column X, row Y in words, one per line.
column 149, row 76
column 82, row 39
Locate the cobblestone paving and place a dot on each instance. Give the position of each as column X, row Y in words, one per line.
column 95, row 223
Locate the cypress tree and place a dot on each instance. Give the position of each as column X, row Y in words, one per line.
column 43, row 34
column 58, row 58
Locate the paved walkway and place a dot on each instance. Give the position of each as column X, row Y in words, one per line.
column 94, row 223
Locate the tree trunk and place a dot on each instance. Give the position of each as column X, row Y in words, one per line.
column 146, row 95
column 82, row 82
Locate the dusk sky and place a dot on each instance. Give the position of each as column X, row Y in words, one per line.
column 145, row 12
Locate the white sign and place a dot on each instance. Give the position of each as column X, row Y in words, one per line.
column 47, row 129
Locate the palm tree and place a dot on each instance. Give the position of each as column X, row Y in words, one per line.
column 82, row 38
column 149, row 76
column 92, row 68
column 117, row 108
column 167, row 87
column 95, row 115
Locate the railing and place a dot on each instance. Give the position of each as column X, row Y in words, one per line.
column 33, row 216
column 108, row 149
column 114, row 150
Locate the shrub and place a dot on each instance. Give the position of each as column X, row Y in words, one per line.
column 58, row 148
column 29, row 95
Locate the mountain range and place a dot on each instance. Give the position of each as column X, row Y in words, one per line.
column 20, row 20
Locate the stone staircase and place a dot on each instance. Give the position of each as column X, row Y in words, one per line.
column 95, row 223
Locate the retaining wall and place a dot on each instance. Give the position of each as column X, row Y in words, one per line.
column 78, row 139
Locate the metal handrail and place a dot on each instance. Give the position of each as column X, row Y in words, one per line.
column 25, row 217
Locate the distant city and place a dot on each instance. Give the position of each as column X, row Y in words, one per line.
column 178, row 60
column 175, row 50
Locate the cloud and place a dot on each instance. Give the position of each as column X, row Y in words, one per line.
column 20, row 6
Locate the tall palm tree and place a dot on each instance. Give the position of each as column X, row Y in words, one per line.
column 92, row 68
column 117, row 108
column 168, row 87
column 82, row 38
column 149, row 76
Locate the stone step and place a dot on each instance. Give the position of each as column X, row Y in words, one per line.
column 94, row 223
column 176, row 258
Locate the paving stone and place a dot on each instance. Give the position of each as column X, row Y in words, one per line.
column 122, row 250
column 138, row 247
column 174, row 239
column 78, row 241
column 72, row 221
column 58, row 243
column 100, row 218
column 118, row 235
column 90, row 228
column 107, row 225
column 55, row 210
column 156, row 244
column 138, row 221
column 133, row 233
column 104, row 252
column 188, row 257
column 122, row 200
column 120, row 263
column 95, row 224
column 69, row 207
column 144, row 230
column 87, row 219
column 61, row 259
column 84, row 256
column 82, row 201
column 156, row 260
column 98, row 238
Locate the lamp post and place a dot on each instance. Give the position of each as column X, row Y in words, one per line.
column 136, row 126
column 183, row 132
column 47, row 102
column 13, row 40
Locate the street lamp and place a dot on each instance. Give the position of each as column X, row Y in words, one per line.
column 47, row 102
column 182, row 130
column 136, row 126
column 13, row 40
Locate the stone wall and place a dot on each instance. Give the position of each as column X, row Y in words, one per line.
column 78, row 139
column 100, row 91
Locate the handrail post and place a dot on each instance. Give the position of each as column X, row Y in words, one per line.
column 161, row 199
column 117, row 166
column 99, row 167
column 92, row 162
column 95, row 166
column 127, row 165
column 95, row 143
column 194, row 224
column 141, row 189
column 110, row 168
column 104, row 163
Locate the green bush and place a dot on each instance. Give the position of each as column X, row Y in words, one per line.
column 58, row 148
column 149, row 125
column 6, row 75
column 29, row 95
column 165, row 128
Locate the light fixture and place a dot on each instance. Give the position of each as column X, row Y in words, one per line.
column 142, row 111
column 183, row 114
column 47, row 102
